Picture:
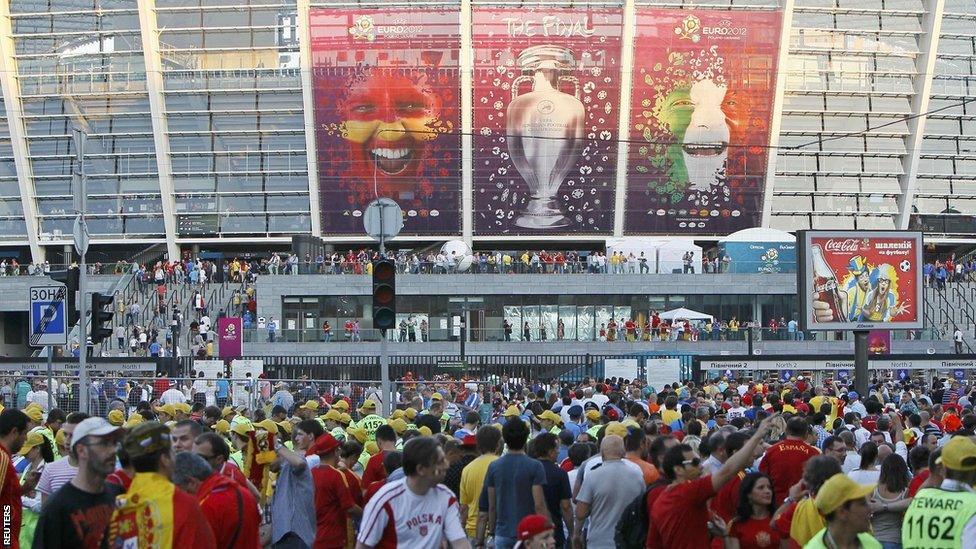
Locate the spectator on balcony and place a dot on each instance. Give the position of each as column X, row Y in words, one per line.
column 355, row 331
column 272, row 330
column 326, row 332
column 507, row 328
column 526, row 333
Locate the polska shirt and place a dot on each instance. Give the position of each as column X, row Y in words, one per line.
column 397, row 517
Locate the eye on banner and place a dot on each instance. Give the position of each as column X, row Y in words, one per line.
column 387, row 115
column 546, row 98
column 701, row 103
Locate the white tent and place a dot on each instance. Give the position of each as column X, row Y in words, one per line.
column 635, row 245
column 759, row 234
column 671, row 253
column 684, row 314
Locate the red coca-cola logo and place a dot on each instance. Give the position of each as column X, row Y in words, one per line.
column 846, row 245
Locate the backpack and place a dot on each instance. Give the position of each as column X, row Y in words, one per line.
column 631, row 530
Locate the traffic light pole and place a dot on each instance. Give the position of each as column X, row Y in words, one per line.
column 81, row 200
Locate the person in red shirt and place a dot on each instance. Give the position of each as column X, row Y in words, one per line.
column 215, row 451
column 13, row 434
column 679, row 515
column 751, row 524
column 229, row 508
column 334, row 503
column 386, row 441
column 784, row 461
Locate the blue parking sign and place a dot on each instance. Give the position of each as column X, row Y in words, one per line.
column 48, row 312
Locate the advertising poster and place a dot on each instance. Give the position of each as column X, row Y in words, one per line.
column 701, row 104
column 387, row 115
column 546, row 98
column 759, row 257
column 860, row 280
column 230, row 337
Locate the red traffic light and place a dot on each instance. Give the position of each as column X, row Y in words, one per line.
column 383, row 270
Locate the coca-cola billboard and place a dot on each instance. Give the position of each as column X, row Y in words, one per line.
column 860, row 280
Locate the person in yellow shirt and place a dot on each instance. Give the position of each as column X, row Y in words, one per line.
column 670, row 414
column 473, row 477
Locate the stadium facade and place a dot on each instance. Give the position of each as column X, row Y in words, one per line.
column 218, row 123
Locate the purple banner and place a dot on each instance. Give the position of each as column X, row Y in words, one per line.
column 230, row 337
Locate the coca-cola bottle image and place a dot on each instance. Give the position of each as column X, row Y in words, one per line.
column 826, row 288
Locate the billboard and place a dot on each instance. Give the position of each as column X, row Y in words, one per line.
column 860, row 280
column 758, row 257
column 701, row 104
column 387, row 115
column 546, row 98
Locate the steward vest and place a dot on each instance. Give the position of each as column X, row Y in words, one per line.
column 936, row 518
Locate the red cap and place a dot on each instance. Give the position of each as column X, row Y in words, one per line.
column 533, row 525
column 469, row 441
column 612, row 414
column 325, row 444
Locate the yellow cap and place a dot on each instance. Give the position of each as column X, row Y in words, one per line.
column 399, row 425
column 268, row 425
column 61, row 439
column 551, row 416
column 410, row 413
column 425, row 431
column 167, row 409
column 222, row 426
column 226, row 411
column 32, row 406
column 33, row 439
column 242, row 428
column 512, row 411
column 593, row 415
column 615, row 428
column 368, row 406
column 345, row 418
column 436, row 396
column 310, row 405
column 183, row 408
column 134, row 419
column 285, row 426
column 358, row 433
column 333, row 415
column 116, row 417
column 371, row 448
column 341, row 405
column 35, row 414
column 397, row 414
column 838, row 490
column 959, row 454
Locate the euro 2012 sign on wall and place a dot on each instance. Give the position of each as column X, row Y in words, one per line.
column 860, row 280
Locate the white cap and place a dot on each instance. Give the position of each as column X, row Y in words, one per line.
column 95, row 426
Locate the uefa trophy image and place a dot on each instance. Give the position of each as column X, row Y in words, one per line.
column 545, row 131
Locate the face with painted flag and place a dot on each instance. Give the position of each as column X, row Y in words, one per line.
column 388, row 119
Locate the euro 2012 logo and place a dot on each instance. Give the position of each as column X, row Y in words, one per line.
column 363, row 29
column 690, row 29
column 770, row 261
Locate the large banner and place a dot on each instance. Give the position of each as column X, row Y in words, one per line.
column 230, row 337
column 860, row 280
column 702, row 101
column 546, row 98
column 387, row 115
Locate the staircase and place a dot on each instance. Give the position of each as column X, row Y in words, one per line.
column 955, row 307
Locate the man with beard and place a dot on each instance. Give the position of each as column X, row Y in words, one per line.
column 78, row 514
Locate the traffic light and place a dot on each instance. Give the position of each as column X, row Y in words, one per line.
column 70, row 278
column 384, row 294
column 101, row 312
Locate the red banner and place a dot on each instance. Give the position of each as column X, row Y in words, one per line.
column 546, row 98
column 387, row 115
column 861, row 279
column 702, row 99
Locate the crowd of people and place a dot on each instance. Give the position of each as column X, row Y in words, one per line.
column 503, row 463
column 937, row 273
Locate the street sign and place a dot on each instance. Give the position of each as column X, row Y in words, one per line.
column 48, row 315
column 383, row 219
column 81, row 236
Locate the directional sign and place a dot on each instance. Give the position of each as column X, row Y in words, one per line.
column 48, row 315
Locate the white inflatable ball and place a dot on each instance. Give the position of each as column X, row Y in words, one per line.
column 465, row 263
